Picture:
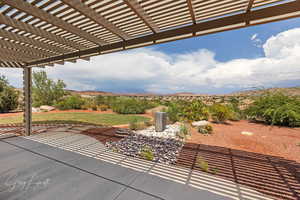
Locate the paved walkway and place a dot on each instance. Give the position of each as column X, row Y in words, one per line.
column 75, row 162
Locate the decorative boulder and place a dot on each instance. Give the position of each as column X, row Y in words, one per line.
column 247, row 133
column 200, row 123
column 47, row 108
column 34, row 110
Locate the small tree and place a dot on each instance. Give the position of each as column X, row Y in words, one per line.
column 8, row 96
column 46, row 91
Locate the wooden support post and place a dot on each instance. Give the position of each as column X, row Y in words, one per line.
column 27, row 81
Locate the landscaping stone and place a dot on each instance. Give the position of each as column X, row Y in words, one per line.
column 164, row 150
column 247, row 133
column 171, row 131
column 47, row 108
column 35, row 109
column 200, row 123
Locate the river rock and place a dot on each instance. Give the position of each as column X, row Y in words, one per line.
column 200, row 123
column 47, row 108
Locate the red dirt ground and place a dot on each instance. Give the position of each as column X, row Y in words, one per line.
column 270, row 140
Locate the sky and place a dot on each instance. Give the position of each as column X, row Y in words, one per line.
column 255, row 57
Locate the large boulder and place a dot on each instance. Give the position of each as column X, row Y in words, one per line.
column 34, row 110
column 200, row 123
column 47, row 108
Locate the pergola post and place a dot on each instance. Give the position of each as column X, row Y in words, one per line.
column 27, row 81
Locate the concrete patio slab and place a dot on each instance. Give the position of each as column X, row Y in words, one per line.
column 57, row 154
column 47, row 172
column 25, row 143
column 107, row 170
column 130, row 194
column 171, row 190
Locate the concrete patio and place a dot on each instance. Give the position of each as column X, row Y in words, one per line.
column 60, row 163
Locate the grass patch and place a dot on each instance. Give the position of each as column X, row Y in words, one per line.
column 80, row 117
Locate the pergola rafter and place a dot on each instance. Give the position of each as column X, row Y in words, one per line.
column 26, row 49
column 41, row 14
column 36, row 31
column 191, row 9
column 92, row 14
column 38, row 44
column 136, row 7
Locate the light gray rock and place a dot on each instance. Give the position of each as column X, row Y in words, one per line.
column 247, row 133
column 34, row 110
column 47, row 108
column 200, row 123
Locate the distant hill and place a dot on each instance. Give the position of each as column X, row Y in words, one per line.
column 291, row 91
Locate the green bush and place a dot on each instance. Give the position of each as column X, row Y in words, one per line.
column 275, row 109
column 147, row 153
column 130, row 106
column 205, row 130
column 173, row 112
column 187, row 111
column 71, row 102
column 220, row 113
column 103, row 107
column 8, row 96
column 89, row 103
column 136, row 125
column 204, row 166
column 184, row 131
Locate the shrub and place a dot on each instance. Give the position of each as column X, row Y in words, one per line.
column 187, row 111
column 136, row 125
column 70, row 102
column 204, row 166
column 8, row 96
column 275, row 109
column 173, row 112
column 130, row 106
column 205, row 130
column 220, row 113
column 184, row 131
column 103, row 107
column 195, row 110
column 147, row 153
column 89, row 103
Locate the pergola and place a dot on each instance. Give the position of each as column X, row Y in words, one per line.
column 39, row 33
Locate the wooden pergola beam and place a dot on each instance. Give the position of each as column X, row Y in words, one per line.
column 215, row 25
column 137, row 8
column 51, row 19
column 34, row 52
column 39, row 32
column 250, row 4
column 96, row 17
column 191, row 10
column 36, row 43
column 248, row 10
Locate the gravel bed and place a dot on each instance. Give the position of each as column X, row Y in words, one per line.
column 165, row 150
column 171, row 131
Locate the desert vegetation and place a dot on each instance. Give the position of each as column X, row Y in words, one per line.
column 8, row 96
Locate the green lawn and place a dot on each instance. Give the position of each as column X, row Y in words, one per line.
column 74, row 117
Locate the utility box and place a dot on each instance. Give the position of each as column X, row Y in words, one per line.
column 160, row 121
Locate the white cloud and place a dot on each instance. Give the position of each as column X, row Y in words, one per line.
column 150, row 70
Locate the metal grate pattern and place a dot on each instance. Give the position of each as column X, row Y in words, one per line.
column 45, row 32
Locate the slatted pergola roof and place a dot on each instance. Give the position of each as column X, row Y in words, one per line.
column 44, row 32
